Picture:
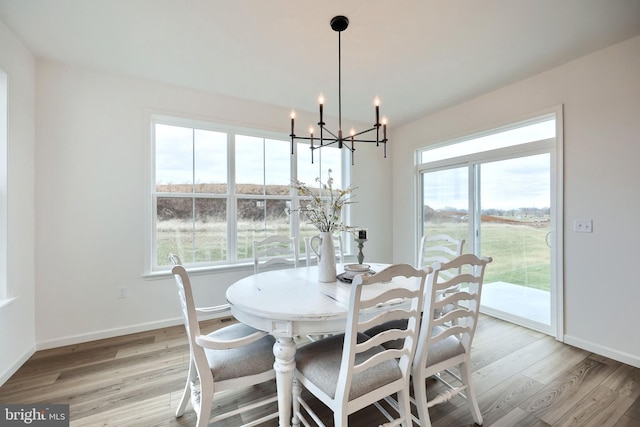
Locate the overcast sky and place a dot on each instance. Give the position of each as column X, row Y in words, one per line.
column 179, row 148
column 507, row 184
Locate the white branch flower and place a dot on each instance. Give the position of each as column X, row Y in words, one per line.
column 324, row 211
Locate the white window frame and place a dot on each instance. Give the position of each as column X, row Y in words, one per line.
column 152, row 267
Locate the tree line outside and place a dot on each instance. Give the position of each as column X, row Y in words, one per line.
column 192, row 220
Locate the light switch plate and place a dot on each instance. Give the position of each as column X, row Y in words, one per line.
column 583, row 226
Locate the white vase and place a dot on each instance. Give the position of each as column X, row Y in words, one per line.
column 326, row 254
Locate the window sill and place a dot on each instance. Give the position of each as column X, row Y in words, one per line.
column 162, row 274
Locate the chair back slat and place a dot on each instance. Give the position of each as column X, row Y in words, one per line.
column 452, row 316
column 386, row 316
column 453, row 298
column 439, row 248
column 378, row 358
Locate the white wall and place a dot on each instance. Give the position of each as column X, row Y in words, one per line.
column 92, row 200
column 17, row 327
column 601, row 97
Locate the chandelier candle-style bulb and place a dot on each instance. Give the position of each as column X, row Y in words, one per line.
column 339, row 24
column 293, row 117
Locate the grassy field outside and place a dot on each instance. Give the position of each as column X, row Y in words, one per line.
column 520, row 254
column 519, row 251
column 207, row 241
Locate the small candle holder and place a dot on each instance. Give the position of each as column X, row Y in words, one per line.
column 360, row 237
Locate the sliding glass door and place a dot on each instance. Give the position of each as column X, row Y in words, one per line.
column 515, row 223
column 445, row 207
column 502, row 199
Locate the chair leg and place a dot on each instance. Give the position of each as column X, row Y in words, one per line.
column 420, row 395
column 186, row 394
column 404, row 404
column 296, row 391
column 465, row 374
column 206, row 402
column 340, row 419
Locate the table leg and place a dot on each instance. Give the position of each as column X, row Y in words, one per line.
column 284, row 351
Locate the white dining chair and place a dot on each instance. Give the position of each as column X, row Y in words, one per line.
column 350, row 371
column 233, row 357
column 275, row 252
column 445, row 341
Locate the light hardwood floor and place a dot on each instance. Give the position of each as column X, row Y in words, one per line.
column 522, row 378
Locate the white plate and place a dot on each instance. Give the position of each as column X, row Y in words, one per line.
column 352, row 270
column 357, row 268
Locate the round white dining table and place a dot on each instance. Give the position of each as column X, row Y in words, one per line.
column 288, row 303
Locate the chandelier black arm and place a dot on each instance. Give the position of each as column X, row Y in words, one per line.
column 325, row 144
column 374, row 141
column 308, row 138
column 333, row 135
column 335, row 139
column 365, row 131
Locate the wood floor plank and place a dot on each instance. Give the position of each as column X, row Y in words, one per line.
column 627, row 422
column 563, row 395
column 522, row 378
column 499, row 371
column 504, row 398
column 521, row 418
column 600, row 408
column 547, row 369
column 500, row 345
column 625, row 380
column 634, row 411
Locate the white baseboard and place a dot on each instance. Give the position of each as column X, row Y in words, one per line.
column 115, row 332
column 14, row 368
column 629, row 359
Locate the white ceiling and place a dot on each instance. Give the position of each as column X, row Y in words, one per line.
column 418, row 56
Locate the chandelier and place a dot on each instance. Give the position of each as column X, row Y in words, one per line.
column 327, row 137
